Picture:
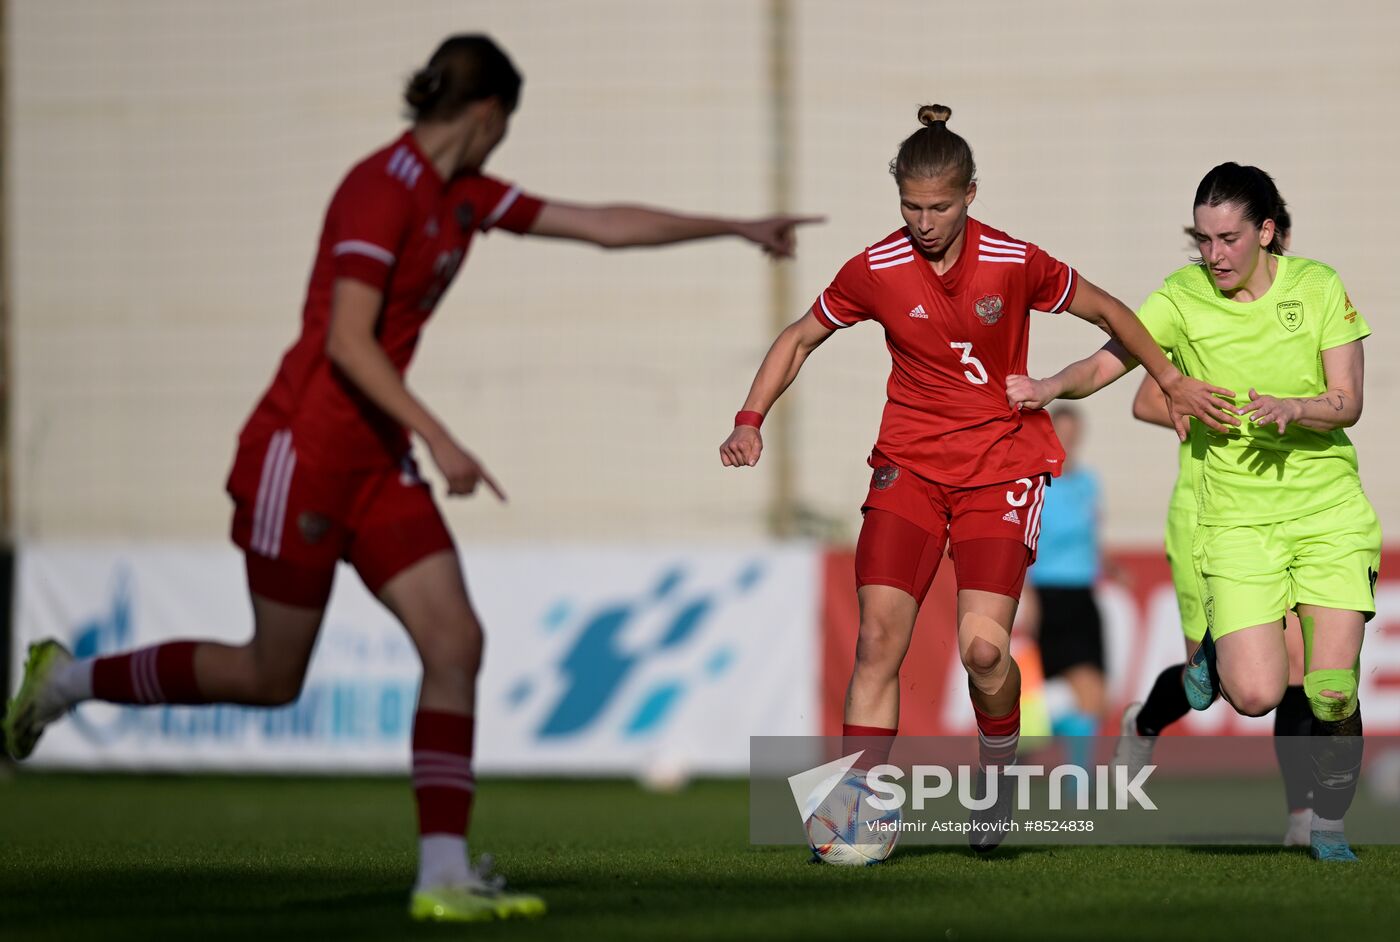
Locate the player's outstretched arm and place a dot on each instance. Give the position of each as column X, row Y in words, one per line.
column 1150, row 404
column 620, row 226
column 779, row 368
column 1340, row 407
column 1186, row 396
column 352, row 347
column 1081, row 378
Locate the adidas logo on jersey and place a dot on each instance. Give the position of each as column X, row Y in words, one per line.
column 1011, row 516
column 919, row 312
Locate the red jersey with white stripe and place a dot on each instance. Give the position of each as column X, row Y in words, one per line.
column 953, row 340
column 396, row 225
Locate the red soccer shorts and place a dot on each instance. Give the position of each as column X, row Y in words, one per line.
column 295, row 523
column 993, row 530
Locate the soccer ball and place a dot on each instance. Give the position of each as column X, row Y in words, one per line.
column 848, row 831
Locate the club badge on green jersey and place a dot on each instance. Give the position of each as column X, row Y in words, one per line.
column 1290, row 314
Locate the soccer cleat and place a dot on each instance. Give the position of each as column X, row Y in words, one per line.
column 990, row 826
column 1201, row 680
column 24, row 719
column 472, row 904
column 1299, row 833
column 481, row 900
column 1331, row 846
column 1134, row 750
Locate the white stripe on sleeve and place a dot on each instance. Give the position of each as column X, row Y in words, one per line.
column 505, row 204
column 826, row 311
column 361, row 247
column 1064, row 298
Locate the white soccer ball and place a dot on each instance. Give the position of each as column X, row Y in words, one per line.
column 847, row 830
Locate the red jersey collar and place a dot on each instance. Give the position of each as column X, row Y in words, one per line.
column 956, row 278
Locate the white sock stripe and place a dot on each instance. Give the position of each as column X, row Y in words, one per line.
column 269, row 472
column 432, row 781
column 142, row 689
column 442, row 768
column 1007, row 740
column 138, row 675
column 444, row 774
column 153, row 676
column 134, row 669
column 439, row 754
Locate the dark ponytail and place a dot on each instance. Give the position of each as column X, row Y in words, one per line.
column 933, row 151
column 1253, row 191
column 464, row 69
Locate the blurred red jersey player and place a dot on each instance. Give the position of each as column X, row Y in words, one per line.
column 324, row 470
column 954, row 463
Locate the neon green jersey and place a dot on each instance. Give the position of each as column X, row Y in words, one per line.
column 1273, row 344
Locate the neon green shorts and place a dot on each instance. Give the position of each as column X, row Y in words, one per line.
column 1252, row 575
column 1181, row 532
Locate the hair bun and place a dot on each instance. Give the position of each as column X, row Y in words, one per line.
column 424, row 86
column 929, row 115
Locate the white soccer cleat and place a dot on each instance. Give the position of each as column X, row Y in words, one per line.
column 1134, row 750
column 1299, row 832
column 30, row 711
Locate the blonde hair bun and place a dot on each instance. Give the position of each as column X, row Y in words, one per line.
column 931, row 114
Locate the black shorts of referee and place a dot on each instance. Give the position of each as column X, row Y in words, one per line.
column 1071, row 629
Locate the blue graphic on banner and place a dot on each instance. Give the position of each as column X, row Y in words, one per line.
column 597, row 667
column 343, row 710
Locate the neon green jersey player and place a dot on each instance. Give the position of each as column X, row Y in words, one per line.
column 1282, row 518
column 1168, row 699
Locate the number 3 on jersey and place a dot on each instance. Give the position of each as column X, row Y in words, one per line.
column 979, row 378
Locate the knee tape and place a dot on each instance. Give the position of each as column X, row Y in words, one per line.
column 976, row 627
column 1331, row 709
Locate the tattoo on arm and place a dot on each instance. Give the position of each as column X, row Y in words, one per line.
column 1337, row 406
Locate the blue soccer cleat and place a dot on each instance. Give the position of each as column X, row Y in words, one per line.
column 1332, row 846
column 1201, row 680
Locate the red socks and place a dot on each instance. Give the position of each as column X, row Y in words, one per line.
column 876, row 741
column 160, row 674
column 997, row 737
column 443, row 783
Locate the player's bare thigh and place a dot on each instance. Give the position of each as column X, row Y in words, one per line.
column 1292, row 639
column 430, row 599
column 1336, row 638
column 1253, row 666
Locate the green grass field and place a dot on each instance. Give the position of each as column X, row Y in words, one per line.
column 116, row 857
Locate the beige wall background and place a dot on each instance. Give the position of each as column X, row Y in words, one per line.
column 169, row 164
